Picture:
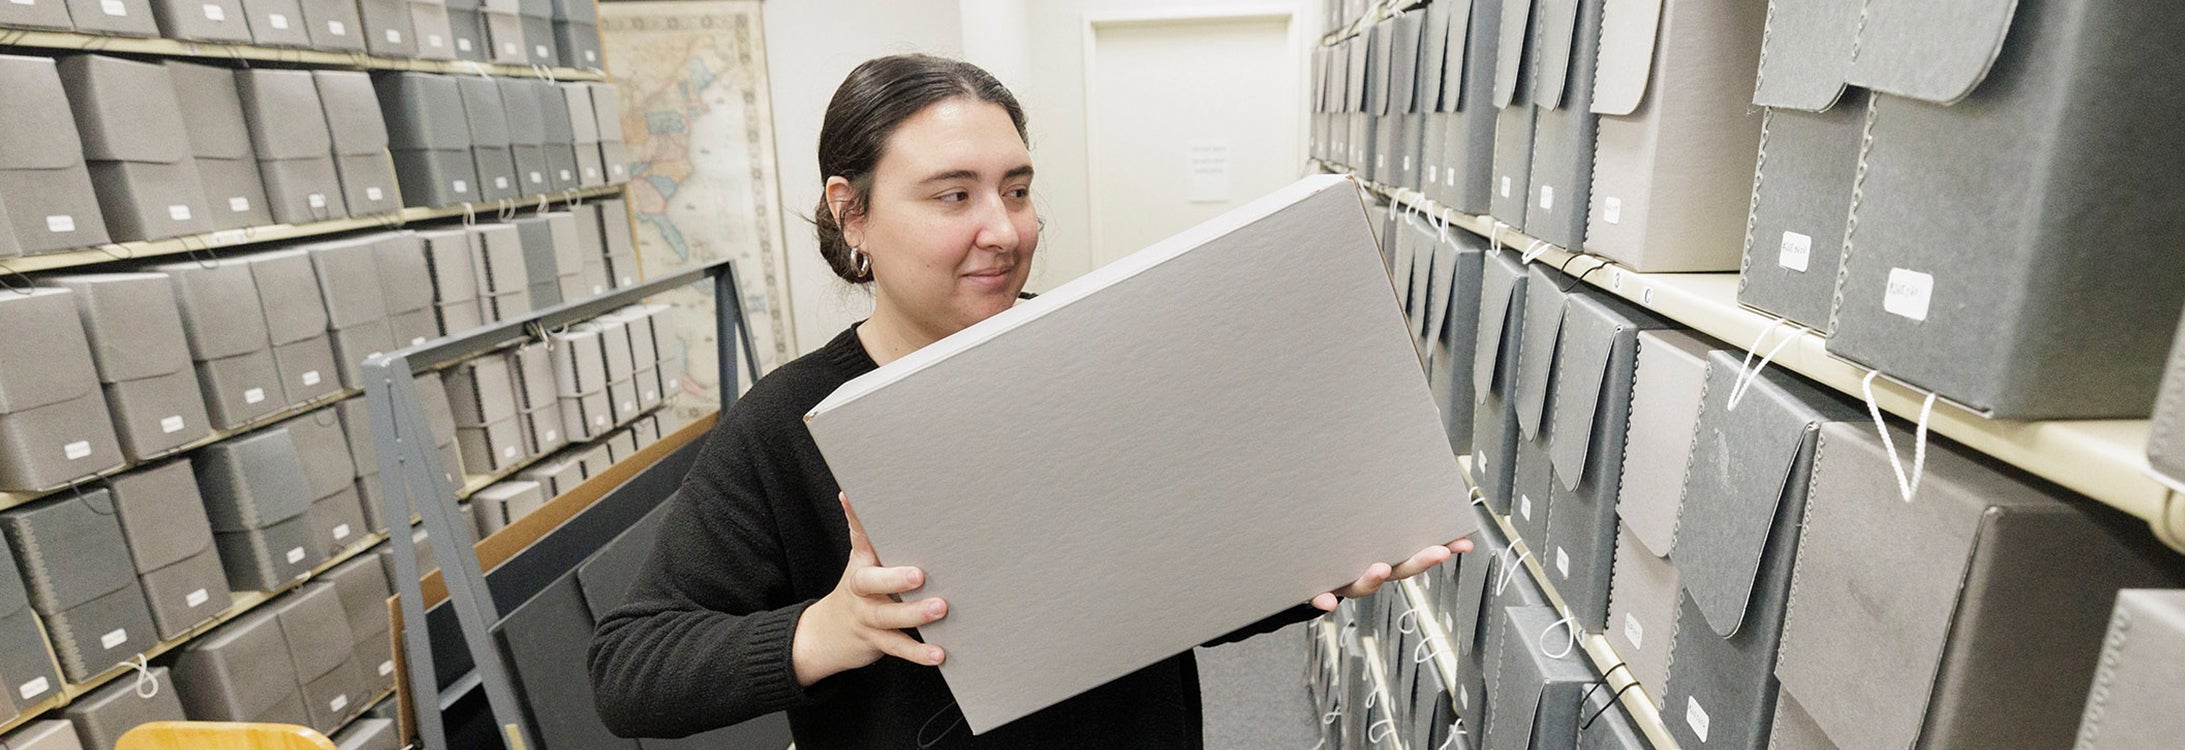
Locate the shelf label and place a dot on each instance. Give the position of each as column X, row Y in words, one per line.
column 373, row 194
column 539, row 50
column 311, row 377
column 508, row 48
column 197, row 598
column 1449, row 177
column 341, row 532
column 1562, row 562
column 415, row 340
column 1612, row 210
column 1407, row 162
column 1695, row 717
column 295, row 555
column 114, row 638
column 76, row 450
column 1433, row 173
column 1547, row 197
column 337, row 28
column 1908, row 293
column 435, row 41
column 277, row 21
column 215, row 13
column 1525, row 506
column 254, row 395
column 178, row 212
column 1633, row 632
column 34, row 688
column 508, row 452
column 171, row 425
column 60, row 223
column 238, row 204
column 1794, row 252
column 114, row 8
column 24, row 2
column 552, row 436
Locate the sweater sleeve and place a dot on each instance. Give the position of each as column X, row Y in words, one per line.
column 1271, row 623
column 704, row 639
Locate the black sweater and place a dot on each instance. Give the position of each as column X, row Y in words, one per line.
column 755, row 536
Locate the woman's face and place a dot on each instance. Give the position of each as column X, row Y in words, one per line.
column 949, row 222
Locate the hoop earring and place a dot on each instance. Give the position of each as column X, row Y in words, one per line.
column 862, row 262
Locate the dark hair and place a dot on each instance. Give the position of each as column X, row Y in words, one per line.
column 876, row 98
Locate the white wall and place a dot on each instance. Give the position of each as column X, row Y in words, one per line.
column 810, row 46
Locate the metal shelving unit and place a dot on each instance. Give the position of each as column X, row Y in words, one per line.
column 1371, row 647
column 67, row 41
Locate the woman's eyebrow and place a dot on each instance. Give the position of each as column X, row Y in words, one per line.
column 966, row 174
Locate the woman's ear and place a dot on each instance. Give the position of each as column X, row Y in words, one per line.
column 841, row 198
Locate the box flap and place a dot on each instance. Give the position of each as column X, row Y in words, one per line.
column 70, row 549
column 1381, row 54
column 48, row 357
column 1510, row 64
column 315, row 627
column 1545, row 295
column 221, row 315
column 1442, row 295
column 482, row 109
column 1403, row 71
column 607, row 107
column 36, row 129
column 1457, row 53
column 288, row 292
column 1629, row 29
column 125, row 110
column 427, row 109
column 1433, row 54
column 1805, row 53
column 1475, row 577
column 1933, row 50
column 1665, row 397
column 348, row 274
column 1744, row 461
column 1600, row 334
column 279, row 106
column 132, row 321
column 526, row 123
column 578, row 99
column 161, row 514
column 352, row 111
column 1501, row 296
column 1534, row 692
column 252, row 482
column 323, row 447
column 1555, row 41
column 404, row 275
column 2133, row 702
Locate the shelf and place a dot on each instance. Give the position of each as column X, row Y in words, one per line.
column 1372, row 649
column 1438, row 642
column 2102, row 459
column 64, row 41
column 363, row 707
column 126, row 251
column 239, row 603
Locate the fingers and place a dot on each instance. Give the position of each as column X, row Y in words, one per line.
column 860, row 545
column 1376, row 574
column 877, row 581
column 1419, row 563
column 895, row 643
column 1326, row 602
column 1460, row 547
column 897, row 616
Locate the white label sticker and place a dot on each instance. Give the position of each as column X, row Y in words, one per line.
column 387, row 667
column 1380, row 161
column 1562, row 562
column 171, row 425
column 1633, row 632
column 462, row 44
column 1525, row 506
column 590, row 173
column 415, row 340
column 1407, row 162
column 24, row 2
column 1908, row 293
column 76, row 450
column 337, row 28
column 215, row 13
column 394, row 37
column 316, row 200
column 295, row 555
column 1795, row 251
column 600, row 420
column 537, row 179
column 597, row 289
column 509, row 452
column 197, row 598
column 539, row 50
column 34, row 688
column 565, row 176
column 1612, row 210
column 590, row 56
column 1432, row 173
column 254, row 395
column 277, row 20
column 460, row 186
column 1696, row 717
column 114, row 638
column 341, row 532
column 238, row 204
column 629, row 406
column 435, row 41
column 552, row 435
column 675, row 383
column 616, row 170
column 337, row 703
column 1505, row 187
column 650, row 395
column 1449, row 177
column 626, row 281
column 1547, row 197
column 500, row 183
column 311, row 377
column 373, row 194
column 60, row 223
column 227, row 237
column 114, row 8
column 178, row 212
column 508, row 48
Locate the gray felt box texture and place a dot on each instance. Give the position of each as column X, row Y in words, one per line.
column 1642, row 610
column 131, row 322
column 424, row 111
column 2132, row 703
column 622, row 399
column 588, row 416
column 70, row 550
column 1454, row 328
column 303, row 190
column 278, row 105
column 549, row 676
column 222, row 315
column 329, row 699
column 362, row 590
column 387, row 28
column 188, row 593
column 1800, row 203
column 449, row 256
column 543, row 259
column 480, row 391
column 580, row 366
column 559, row 148
column 1610, row 726
column 1793, row 728
column 504, row 37
column 50, row 359
column 333, row 25
column 594, row 460
column 369, row 184
column 502, row 503
column 131, row 18
column 44, row 734
column 240, row 388
column 322, row 448
column 337, row 521
column 253, row 481
column 2071, row 138
column 1530, row 497
column 50, row 15
column 162, row 517
column 1677, row 137
column 50, row 202
column 1912, row 594
column 607, row 107
column 289, row 295
column 96, row 635
column 45, row 447
column 614, row 342
column 557, row 476
column 1566, row 52
column 1537, row 375
column 1494, row 376
column 288, row 710
column 368, row 734
column 373, row 657
column 578, row 44
column 490, row 448
column 234, row 192
column 1515, row 115
column 435, row 177
column 1597, row 360
column 467, row 31
column 500, row 260
column 137, row 151
column 614, row 157
column 1748, row 477
column 542, row 430
column 2165, row 445
column 404, row 274
column 348, row 279
column 31, row 673
column 276, row 23
column 238, row 671
column 458, row 317
column 315, row 629
column 357, row 343
column 435, row 36
column 356, row 423
column 622, row 270
column 1667, row 383
column 647, row 383
column 532, row 368
column 413, row 327
column 540, row 47
column 103, row 716
column 307, row 369
column 1535, row 698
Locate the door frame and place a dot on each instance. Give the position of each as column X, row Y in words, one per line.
column 1093, row 22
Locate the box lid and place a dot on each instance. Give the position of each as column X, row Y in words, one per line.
column 1501, row 299
column 1480, row 571
column 1360, row 73
column 577, row 99
column 288, row 292
column 253, row 481
column 214, row 119
column 48, row 356
column 1434, row 51
column 427, row 111
column 1665, row 397
column 526, row 121
column 70, row 549
column 352, row 111
column 133, row 325
column 323, row 446
column 1805, row 56
column 1510, row 51
column 1380, row 51
column 316, row 629
column 239, row 669
column 125, row 110
column 479, row 391
column 1535, row 695
column 1546, row 292
column 348, row 273
column 221, row 313
column 1600, row 339
column 403, row 272
column 278, row 105
column 37, row 130
column 1745, row 462
column 1932, row 50
column 1628, row 40
column 1557, row 45
column 1403, row 73
column 162, row 516
column 361, row 587
column 482, row 109
column 607, row 106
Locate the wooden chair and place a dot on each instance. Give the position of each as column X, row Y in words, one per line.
column 222, row 735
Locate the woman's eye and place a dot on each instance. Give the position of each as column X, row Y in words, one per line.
column 957, row 196
column 1021, row 192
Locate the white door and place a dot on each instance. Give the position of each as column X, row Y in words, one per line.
column 1187, row 118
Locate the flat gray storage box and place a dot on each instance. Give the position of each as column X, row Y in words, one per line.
column 1642, row 610
column 45, row 447
column 348, row 277
column 387, row 28
column 110, row 711
column 161, row 516
column 1811, row 136
column 322, row 446
column 188, row 593
column 26, row 662
column 1916, row 594
column 221, row 313
column 139, row 153
column 361, row 588
column 253, row 481
column 49, row 358
column 316, row 630
column 288, row 292
column 307, row 369
column 333, row 25
column 43, row 184
column 1567, row 40
column 220, row 139
column 2132, row 703
column 70, row 549
column 1536, row 697
column 240, row 388
column 1494, row 376
column 51, row 15
column 238, row 671
column 337, row 520
column 404, row 274
column 131, row 321
column 480, row 391
column 1547, row 291
column 1666, row 389
column 48, row 734
column 114, row 17
column 100, row 634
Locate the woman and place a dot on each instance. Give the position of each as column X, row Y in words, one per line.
column 762, row 594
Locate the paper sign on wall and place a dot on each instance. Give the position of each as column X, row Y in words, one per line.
column 1209, row 167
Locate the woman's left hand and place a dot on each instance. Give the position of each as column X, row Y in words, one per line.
column 1380, row 573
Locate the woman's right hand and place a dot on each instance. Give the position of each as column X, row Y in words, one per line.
column 859, row 622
